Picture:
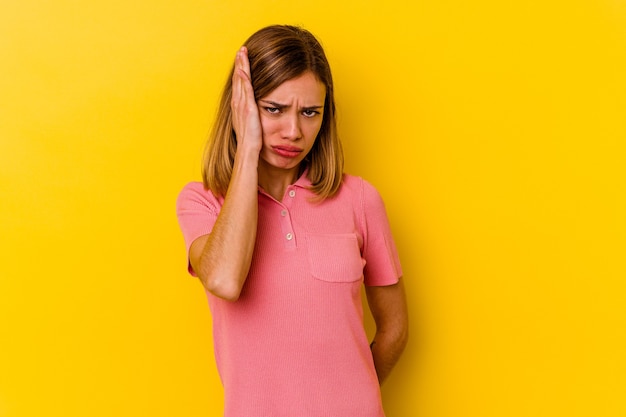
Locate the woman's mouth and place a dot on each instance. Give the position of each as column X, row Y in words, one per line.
column 287, row 151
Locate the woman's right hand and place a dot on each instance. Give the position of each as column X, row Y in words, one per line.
column 245, row 112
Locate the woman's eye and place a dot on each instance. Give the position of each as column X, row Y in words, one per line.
column 310, row 113
column 272, row 110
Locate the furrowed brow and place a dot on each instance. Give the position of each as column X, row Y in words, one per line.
column 274, row 104
column 286, row 106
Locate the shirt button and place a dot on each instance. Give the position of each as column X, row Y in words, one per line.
column 289, row 236
column 283, row 213
column 292, row 193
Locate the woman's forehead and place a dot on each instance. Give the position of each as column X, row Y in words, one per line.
column 305, row 87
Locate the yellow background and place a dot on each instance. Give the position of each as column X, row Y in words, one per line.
column 494, row 130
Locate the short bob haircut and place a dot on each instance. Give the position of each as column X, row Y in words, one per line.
column 278, row 54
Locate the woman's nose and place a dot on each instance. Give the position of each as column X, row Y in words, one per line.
column 291, row 127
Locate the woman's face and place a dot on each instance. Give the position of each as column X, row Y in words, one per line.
column 291, row 116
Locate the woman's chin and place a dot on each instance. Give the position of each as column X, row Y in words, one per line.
column 280, row 163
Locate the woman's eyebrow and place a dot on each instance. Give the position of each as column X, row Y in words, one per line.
column 286, row 106
column 274, row 104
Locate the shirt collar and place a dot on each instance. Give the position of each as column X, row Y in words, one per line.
column 303, row 181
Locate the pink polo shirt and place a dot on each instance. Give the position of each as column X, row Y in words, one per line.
column 294, row 345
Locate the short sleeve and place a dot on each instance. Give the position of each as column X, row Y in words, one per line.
column 197, row 210
column 382, row 265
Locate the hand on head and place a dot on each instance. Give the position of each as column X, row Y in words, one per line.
column 245, row 113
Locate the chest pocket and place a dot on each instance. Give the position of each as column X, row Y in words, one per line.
column 335, row 258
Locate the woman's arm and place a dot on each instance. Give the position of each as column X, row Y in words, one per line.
column 389, row 309
column 222, row 258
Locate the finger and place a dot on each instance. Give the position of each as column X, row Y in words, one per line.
column 242, row 66
column 242, row 83
column 238, row 82
column 245, row 62
column 245, row 91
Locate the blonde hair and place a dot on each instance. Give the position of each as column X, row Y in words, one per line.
column 279, row 53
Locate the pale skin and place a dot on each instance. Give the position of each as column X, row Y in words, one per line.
column 274, row 136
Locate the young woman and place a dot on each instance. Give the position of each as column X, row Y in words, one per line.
column 282, row 241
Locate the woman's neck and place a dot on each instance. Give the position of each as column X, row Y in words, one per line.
column 276, row 180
